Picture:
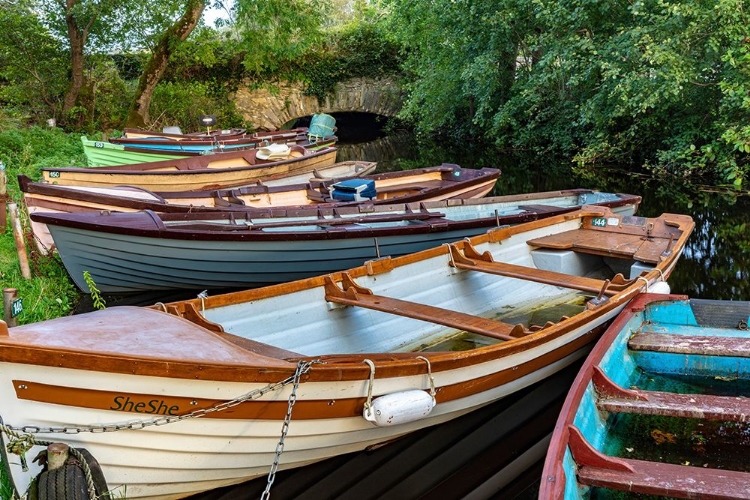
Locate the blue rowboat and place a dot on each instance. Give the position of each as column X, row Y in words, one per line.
column 660, row 407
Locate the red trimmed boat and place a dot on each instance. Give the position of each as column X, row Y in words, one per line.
column 660, row 407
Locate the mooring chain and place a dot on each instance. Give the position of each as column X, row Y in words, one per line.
column 301, row 370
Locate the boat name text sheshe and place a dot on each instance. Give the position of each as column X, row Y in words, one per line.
column 124, row 403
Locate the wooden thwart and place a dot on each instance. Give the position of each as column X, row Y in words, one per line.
column 472, row 260
column 354, row 295
column 613, row 398
column 691, row 344
column 655, row 478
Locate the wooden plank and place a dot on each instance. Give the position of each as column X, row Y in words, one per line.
column 691, row 344
column 471, row 260
column 700, row 406
column 674, row 481
column 654, row 478
column 355, row 295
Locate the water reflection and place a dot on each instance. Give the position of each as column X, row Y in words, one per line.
column 716, row 260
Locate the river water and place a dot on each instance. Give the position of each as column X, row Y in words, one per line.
column 716, row 261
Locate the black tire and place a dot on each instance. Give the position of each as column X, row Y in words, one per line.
column 66, row 483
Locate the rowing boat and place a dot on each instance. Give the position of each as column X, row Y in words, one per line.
column 340, row 362
column 196, row 173
column 128, row 252
column 137, row 133
column 109, row 153
column 660, row 407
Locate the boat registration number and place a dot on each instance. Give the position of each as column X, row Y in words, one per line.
column 604, row 221
column 54, row 175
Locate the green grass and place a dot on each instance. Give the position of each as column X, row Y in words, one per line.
column 49, row 293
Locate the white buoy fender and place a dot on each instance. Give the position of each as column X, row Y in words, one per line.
column 399, row 408
column 660, row 287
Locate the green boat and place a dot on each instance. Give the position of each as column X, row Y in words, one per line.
column 104, row 154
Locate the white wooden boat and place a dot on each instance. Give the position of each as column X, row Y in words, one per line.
column 128, row 252
column 395, row 345
column 196, row 173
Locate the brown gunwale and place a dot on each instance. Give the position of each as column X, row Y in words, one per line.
column 303, row 409
column 108, row 362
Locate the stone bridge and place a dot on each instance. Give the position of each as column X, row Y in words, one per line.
column 264, row 109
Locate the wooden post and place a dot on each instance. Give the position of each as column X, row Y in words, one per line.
column 3, row 198
column 57, row 455
column 23, row 259
column 9, row 295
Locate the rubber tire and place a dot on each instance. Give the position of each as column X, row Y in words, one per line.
column 66, row 483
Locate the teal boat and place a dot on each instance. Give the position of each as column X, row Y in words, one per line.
column 104, row 154
column 660, row 407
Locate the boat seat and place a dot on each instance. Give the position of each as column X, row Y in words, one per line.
column 472, row 260
column 613, row 398
column 608, row 244
column 353, row 294
column 654, row 478
column 691, row 344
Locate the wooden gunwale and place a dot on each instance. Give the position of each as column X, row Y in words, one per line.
column 131, row 225
column 111, row 362
column 304, row 409
column 552, row 485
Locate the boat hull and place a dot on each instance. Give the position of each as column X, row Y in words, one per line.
column 102, row 154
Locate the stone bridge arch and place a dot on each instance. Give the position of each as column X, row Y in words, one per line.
column 266, row 110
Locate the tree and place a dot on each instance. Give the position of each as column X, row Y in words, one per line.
column 154, row 70
column 644, row 83
column 32, row 62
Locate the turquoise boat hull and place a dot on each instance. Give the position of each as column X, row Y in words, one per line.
column 661, row 406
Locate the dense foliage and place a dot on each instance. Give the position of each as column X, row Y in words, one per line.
column 655, row 82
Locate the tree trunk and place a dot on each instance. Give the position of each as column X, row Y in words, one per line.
column 178, row 32
column 77, row 39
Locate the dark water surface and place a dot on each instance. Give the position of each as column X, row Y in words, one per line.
column 716, row 261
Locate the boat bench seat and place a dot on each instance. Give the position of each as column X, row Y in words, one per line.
column 471, row 260
column 608, row 244
column 654, row 478
column 613, row 398
column 700, row 345
column 680, row 481
column 355, row 295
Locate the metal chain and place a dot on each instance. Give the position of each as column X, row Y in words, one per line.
column 302, row 368
column 140, row 424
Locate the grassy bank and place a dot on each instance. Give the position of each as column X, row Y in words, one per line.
column 49, row 293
